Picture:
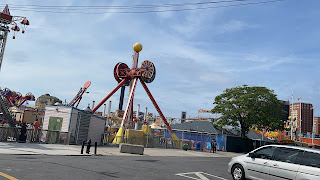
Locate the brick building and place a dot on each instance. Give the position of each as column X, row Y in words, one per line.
column 317, row 125
column 306, row 114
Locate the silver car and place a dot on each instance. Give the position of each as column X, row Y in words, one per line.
column 275, row 162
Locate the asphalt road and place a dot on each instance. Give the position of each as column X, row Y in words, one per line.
column 33, row 167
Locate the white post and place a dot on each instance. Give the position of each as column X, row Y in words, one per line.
column 145, row 120
column 104, row 110
column 312, row 125
column 145, row 115
column 93, row 104
column 137, row 116
column 108, row 116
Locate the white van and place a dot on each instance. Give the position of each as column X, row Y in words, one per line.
column 275, row 162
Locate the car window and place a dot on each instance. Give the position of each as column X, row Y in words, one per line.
column 265, row 153
column 288, row 155
column 311, row 159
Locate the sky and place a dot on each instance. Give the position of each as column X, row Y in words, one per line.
column 197, row 53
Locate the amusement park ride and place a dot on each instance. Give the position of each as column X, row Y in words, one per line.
column 79, row 95
column 146, row 74
column 10, row 99
column 5, row 20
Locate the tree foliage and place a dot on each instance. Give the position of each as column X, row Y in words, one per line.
column 249, row 106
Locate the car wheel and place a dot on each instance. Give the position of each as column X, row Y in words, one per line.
column 238, row 172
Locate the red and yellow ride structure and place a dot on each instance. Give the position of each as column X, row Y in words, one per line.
column 145, row 74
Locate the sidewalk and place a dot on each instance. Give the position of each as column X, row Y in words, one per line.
column 74, row 150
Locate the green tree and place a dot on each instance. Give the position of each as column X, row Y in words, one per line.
column 249, row 106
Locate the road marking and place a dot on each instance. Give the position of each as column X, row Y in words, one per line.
column 7, row 176
column 200, row 175
column 214, row 176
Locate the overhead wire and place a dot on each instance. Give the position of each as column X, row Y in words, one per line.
column 73, row 7
column 66, row 11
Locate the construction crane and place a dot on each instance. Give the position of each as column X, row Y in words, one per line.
column 78, row 97
column 6, row 20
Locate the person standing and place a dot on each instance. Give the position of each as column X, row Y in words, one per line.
column 36, row 126
column 88, row 146
column 213, row 147
column 23, row 135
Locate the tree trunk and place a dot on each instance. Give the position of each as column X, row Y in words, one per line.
column 243, row 129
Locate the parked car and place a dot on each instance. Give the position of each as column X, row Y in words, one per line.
column 277, row 162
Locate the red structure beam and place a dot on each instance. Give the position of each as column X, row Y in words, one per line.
column 155, row 105
column 110, row 94
column 24, row 100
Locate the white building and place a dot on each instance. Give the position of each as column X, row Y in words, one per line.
column 69, row 125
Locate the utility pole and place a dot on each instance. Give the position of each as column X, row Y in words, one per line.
column 291, row 119
column 312, row 125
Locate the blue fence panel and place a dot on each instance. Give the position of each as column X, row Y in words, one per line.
column 221, row 142
column 205, row 139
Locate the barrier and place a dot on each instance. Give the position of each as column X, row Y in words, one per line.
column 131, row 148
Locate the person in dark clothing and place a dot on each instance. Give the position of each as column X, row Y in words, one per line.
column 23, row 134
column 88, row 146
column 213, row 146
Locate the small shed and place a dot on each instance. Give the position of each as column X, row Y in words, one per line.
column 69, row 125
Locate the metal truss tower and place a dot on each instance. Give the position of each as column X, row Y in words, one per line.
column 6, row 20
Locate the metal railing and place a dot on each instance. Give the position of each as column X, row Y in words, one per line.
column 9, row 134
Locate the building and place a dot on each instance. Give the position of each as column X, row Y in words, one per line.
column 284, row 105
column 317, row 125
column 46, row 99
column 69, row 125
column 303, row 113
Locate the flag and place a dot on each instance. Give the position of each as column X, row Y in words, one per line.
column 299, row 98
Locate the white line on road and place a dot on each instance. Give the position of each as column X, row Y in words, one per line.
column 215, row 176
column 200, row 175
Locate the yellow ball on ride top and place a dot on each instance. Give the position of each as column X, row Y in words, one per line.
column 137, row 47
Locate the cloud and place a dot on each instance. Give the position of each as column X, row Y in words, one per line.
column 235, row 25
column 265, row 63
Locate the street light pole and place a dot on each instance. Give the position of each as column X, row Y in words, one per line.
column 312, row 125
column 291, row 119
column 300, row 117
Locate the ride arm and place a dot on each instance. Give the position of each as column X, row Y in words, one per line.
column 155, row 105
column 109, row 95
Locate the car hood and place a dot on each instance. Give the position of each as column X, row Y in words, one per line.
column 237, row 157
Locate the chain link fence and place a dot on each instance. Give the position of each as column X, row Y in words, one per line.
column 154, row 141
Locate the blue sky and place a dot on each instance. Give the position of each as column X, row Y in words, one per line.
column 197, row 54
